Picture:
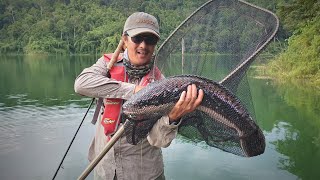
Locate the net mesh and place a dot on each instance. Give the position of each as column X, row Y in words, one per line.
column 220, row 120
column 218, row 41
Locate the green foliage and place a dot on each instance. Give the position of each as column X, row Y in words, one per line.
column 301, row 58
column 294, row 14
column 95, row 26
column 78, row 26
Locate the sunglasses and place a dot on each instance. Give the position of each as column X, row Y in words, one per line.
column 148, row 39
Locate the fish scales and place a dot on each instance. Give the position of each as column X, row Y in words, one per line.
column 158, row 98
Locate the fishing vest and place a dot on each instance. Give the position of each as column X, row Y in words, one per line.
column 111, row 116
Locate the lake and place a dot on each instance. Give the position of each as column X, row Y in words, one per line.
column 39, row 114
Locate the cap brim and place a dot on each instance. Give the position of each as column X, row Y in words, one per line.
column 136, row 31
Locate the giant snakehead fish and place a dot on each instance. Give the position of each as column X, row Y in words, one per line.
column 159, row 97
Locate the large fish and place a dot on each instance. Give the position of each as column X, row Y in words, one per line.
column 224, row 108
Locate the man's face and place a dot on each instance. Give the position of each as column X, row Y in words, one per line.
column 140, row 48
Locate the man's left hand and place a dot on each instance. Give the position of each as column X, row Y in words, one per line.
column 188, row 102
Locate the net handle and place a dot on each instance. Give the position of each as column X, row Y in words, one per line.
column 106, row 149
column 114, row 57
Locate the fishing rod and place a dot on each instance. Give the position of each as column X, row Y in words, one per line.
column 97, row 159
column 65, row 154
column 109, row 66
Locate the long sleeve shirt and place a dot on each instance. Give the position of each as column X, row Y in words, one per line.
column 130, row 162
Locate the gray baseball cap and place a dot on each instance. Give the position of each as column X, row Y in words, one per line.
column 141, row 22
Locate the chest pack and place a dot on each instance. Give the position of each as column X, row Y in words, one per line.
column 111, row 116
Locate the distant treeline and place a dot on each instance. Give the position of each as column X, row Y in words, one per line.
column 79, row 26
column 95, row 26
column 91, row 26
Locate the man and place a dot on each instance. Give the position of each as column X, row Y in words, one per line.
column 131, row 73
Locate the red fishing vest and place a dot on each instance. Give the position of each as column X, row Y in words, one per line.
column 112, row 106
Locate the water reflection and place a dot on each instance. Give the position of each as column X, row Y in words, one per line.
column 212, row 66
column 45, row 79
column 301, row 141
column 39, row 113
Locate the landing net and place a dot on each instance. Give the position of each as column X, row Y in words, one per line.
column 218, row 41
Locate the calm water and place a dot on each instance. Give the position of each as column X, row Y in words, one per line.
column 39, row 113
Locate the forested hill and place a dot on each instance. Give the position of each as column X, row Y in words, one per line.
column 95, row 26
column 79, row 26
column 301, row 57
column 83, row 26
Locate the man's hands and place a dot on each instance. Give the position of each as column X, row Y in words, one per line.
column 188, row 102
